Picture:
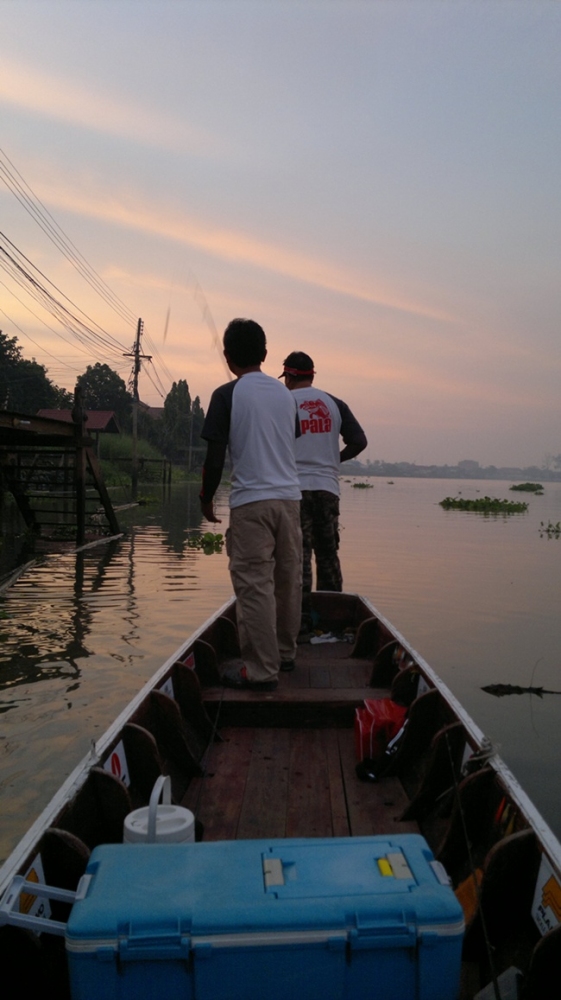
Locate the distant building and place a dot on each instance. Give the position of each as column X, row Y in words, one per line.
column 469, row 466
column 97, row 421
column 156, row 412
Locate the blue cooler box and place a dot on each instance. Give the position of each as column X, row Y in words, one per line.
column 334, row 919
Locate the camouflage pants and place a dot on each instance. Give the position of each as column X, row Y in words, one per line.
column 319, row 517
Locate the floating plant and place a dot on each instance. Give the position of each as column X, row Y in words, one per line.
column 484, row 505
column 550, row 529
column 536, row 488
column 208, row 542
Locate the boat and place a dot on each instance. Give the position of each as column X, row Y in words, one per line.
column 261, row 765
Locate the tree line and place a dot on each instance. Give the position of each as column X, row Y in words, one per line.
column 26, row 388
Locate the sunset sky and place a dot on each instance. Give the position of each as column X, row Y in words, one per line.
column 377, row 183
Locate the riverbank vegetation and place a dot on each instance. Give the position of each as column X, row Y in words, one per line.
column 24, row 385
column 116, row 462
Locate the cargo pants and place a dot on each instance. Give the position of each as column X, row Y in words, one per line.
column 264, row 543
column 319, row 516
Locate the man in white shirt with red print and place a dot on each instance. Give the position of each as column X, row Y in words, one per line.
column 323, row 418
column 255, row 418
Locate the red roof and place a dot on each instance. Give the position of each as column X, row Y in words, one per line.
column 96, row 420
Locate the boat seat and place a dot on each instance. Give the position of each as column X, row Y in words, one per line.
column 502, row 907
column 179, row 745
column 478, row 813
column 176, row 741
column 405, row 685
column 223, row 635
column 442, row 769
column 544, row 973
column 426, row 715
column 189, row 697
column 97, row 813
column 367, row 640
column 144, row 762
column 206, row 663
column 64, row 858
column 385, row 665
column 220, row 643
column 333, row 611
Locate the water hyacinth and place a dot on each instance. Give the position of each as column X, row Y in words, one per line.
column 484, row 505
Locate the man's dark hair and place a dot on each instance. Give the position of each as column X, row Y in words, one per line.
column 299, row 366
column 245, row 342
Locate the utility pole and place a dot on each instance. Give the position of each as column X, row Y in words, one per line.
column 138, row 357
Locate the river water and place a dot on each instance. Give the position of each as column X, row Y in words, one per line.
column 477, row 596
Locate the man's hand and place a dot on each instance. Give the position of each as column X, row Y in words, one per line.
column 212, row 472
column 208, row 512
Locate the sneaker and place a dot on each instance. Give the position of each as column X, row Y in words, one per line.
column 287, row 665
column 237, row 678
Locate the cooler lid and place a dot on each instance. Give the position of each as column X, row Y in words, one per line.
column 236, row 887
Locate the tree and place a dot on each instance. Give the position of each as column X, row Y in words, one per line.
column 198, row 416
column 105, row 390
column 64, row 400
column 24, row 385
column 177, row 420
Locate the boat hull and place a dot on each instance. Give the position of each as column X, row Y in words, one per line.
column 254, row 766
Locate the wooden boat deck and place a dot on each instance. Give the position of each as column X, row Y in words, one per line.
column 278, row 782
column 280, row 772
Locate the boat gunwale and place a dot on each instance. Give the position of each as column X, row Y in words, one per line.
column 546, row 836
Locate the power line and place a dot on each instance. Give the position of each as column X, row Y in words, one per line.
column 90, row 334
column 76, row 330
column 155, row 351
column 93, row 343
column 106, row 338
column 158, row 379
column 150, row 379
column 89, row 352
column 41, row 215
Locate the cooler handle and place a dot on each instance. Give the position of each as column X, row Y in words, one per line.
column 162, row 786
column 154, row 947
column 377, row 936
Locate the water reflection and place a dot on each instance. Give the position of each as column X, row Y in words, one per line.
column 81, row 632
column 178, row 519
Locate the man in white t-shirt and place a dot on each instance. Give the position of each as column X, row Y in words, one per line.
column 255, row 418
column 323, row 418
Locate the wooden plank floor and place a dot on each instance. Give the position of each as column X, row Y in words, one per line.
column 291, row 772
column 277, row 782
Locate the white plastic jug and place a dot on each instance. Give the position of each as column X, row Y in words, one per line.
column 160, row 824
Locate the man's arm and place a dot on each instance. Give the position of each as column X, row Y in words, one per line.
column 354, row 448
column 212, row 474
column 215, row 432
column 352, row 433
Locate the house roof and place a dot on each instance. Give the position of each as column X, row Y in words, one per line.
column 104, row 421
column 156, row 412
